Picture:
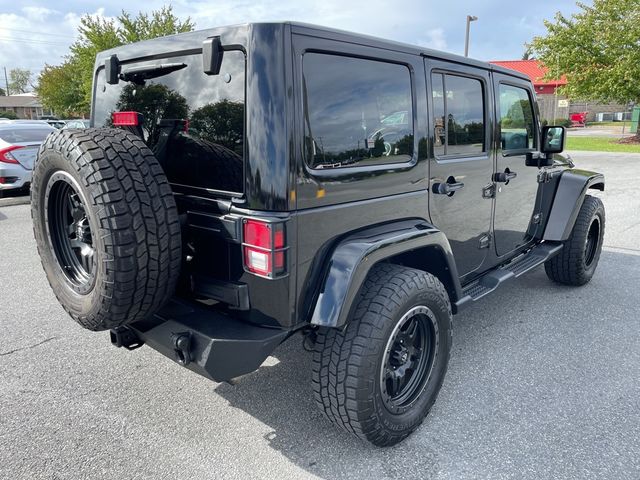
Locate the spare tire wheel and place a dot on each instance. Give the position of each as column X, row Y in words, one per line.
column 106, row 226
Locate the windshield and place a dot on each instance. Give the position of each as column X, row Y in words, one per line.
column 193, row 122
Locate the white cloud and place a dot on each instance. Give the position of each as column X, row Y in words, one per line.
column 434, row 39
column 37, row 14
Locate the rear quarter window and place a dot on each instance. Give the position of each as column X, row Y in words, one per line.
column 358, row 112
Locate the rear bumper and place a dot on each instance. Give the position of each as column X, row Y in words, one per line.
column 204, row 341
column 14, row 175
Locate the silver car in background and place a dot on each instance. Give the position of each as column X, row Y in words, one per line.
column 19, row 143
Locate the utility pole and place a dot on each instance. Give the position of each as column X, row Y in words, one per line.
column 6, row 81
column 470, row 18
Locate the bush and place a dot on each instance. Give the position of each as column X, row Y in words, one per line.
column 562, row 122
column 10, row 114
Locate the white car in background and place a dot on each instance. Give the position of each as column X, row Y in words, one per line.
column 19, row 143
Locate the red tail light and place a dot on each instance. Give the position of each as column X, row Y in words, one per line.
column 5, row 154
column 264, row 249
column 125, row 119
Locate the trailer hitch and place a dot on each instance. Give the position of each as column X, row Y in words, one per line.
column 125, row 337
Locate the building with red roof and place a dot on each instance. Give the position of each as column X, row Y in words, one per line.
column 536, row 71
column 553, row 105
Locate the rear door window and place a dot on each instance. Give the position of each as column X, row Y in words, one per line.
column 194, row 123
column 358, row 112
column 459, row 115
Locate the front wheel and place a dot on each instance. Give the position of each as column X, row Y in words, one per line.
column 379, row 377
column 577, row 262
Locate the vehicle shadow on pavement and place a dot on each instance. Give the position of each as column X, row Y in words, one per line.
column 281, row 396
column 490, row 402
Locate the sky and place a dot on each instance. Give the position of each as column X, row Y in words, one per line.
column 33, row 33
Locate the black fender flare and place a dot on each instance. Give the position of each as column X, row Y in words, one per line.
column 353, row 257
column 568, row 199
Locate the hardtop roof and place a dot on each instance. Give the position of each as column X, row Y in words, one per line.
column 146, row 47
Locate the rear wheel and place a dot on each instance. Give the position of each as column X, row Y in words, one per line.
column 106, row 226
column 379, row 377
column 577, row 262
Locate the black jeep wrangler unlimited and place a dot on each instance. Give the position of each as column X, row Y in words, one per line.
column 246, row 183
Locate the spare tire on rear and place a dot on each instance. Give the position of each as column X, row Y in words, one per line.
column 106, row 226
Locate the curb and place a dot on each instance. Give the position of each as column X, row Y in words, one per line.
column 11, row 201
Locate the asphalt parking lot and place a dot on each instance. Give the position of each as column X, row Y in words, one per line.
column 544, row 382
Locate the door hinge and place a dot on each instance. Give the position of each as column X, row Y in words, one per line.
column 489, row 191
column 485, row 241
column 543, row 176
column 537, row 218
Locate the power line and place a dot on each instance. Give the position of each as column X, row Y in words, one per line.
column 39, row 33
column 30, row 40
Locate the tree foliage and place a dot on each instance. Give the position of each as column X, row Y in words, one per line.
column 19, row 80
column 60, row 89
column 597, row 49
column 10, row 114
column 95, row 35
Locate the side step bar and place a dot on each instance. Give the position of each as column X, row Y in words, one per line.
column 206, row 342
column 494, row 278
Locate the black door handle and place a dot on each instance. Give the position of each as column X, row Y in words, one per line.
column 447, row 188
column 505, row 176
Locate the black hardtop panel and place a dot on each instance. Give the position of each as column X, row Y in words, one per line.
column 191, row 43
column 181, row 43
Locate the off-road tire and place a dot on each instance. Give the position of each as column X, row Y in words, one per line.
column 133, row 223
column 347, row 362
column 574, row 265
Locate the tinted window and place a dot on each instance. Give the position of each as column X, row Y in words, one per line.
column 516, row 118
column 193, row 122
column 459, row 124
column 21, row 135
column 357, row 112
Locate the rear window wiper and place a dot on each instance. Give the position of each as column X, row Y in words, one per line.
column 138, row 75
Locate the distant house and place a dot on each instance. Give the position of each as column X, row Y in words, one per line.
column 26, row 106
column 552, row 105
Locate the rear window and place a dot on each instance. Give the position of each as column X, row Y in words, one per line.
column 24, row 135
column 358, row 112
column 194, row 123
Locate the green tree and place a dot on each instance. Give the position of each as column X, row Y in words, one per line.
column 2, row 92
column 596, row 49
column 95, row 35
column 60, row 89
column 19, row 80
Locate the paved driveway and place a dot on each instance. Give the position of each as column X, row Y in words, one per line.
column 543, row 383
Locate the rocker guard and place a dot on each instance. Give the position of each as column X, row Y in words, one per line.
column 204, row 341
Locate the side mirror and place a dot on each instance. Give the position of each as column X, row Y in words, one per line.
column 552, row 139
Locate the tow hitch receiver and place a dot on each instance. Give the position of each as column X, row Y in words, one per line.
column 125, row 337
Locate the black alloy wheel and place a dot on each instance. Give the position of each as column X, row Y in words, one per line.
column 70, row 230
column 408, row 359
column 593, row 241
